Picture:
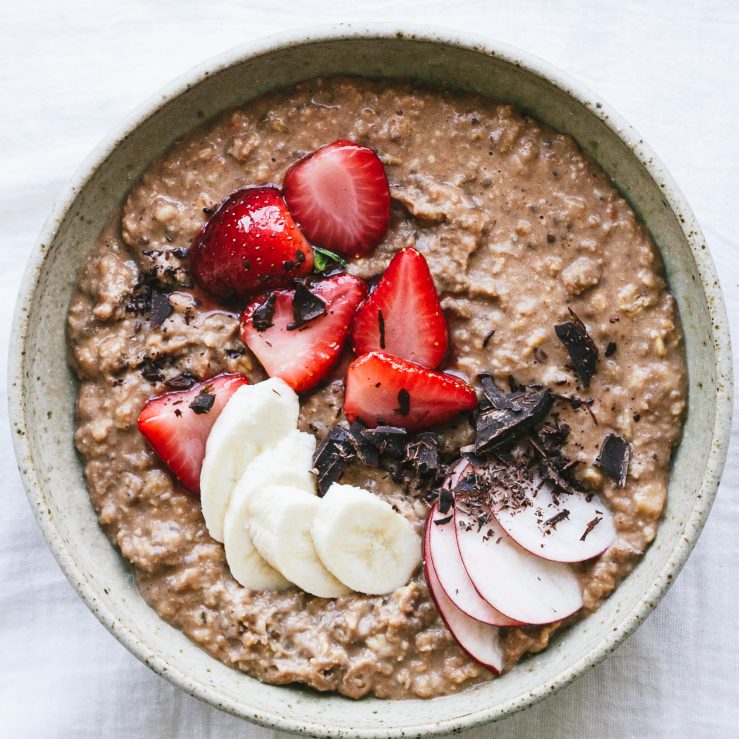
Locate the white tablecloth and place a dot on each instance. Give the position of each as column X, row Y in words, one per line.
column 70, row 70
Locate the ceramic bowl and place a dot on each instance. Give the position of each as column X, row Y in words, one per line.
column 42, row 388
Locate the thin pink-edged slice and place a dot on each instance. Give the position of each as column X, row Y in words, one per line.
column 515, row 582
column 560, row 527
column 440, row 547
column 481, row 642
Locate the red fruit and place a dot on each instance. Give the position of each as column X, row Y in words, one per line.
column 177, row 430
column 302, row 355
column 340, row 197
column 382, row 389
column 250, row 244
column 403, row 315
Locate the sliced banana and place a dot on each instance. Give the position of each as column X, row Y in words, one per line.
column 255, row 418
column 364, row 542
column 287, row 463
column 280, row 523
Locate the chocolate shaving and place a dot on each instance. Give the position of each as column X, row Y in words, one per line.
column 552, row 522
column 161, row 308
column 613, row 457
column 331, row 457
column 381, row 323
column 307, row 306
column 506, row 417
column 183, row 381
column 610, row 349
column 388, row 440
column 404, row 402
column 590, row 526
column 203, row 402
column 264, row 313
column 489, row 335
column 581, row 348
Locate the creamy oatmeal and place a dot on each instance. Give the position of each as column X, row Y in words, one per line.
column 517, row 226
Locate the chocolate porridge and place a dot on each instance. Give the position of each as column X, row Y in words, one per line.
column 518, row 228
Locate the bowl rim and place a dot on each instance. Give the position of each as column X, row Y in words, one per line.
column 411, row 33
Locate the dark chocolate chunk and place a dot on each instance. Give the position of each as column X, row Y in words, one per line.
column 139, row 303
column 555, row 466
column 404, row 402
column 395, row 468
column 388, row 440
column 331, row 457
column 203, row 402
column 581, row 348
column 446, row 500
column 506, row 417
column 366, row 452
column 613, row 458
column 183, row 381
column 423, row 454
column 442, row 521
column 467, row 482
column 181, row 252
column 150, row 370
column 264, row 313
column 161, row 308
column 611, row 349
column 307, row 306
column 553, row 437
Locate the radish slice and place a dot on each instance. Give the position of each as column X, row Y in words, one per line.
column 517, row 583
column 440, row 546
column 563, row 527
column 481, row 642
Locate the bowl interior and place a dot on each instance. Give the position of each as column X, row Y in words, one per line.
column 44, row 390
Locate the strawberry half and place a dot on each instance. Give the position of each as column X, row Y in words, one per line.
column 386, row 390
column 340, row 197
column 177, row 424
column 250, row 244
column 403, row 315
column 298, row 334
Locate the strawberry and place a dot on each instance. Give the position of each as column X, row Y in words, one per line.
column 385, row 390
column 177, row 424
column 298, row 334
column 250, row 244
column 403, row 315
column 339, row 195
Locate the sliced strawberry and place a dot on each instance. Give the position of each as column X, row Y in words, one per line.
column 177, row 424
column 403, row 315
column 250, row 244
column 386, row 390
column 298, row 334
column 340, row 197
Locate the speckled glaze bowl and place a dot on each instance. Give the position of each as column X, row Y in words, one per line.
column 42, row 387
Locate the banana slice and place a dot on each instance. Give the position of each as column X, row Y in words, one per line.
column 287, row 463
column 280, row 523
column 255, row 418
column 364, row 542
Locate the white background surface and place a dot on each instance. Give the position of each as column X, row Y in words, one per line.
column 70, row 70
